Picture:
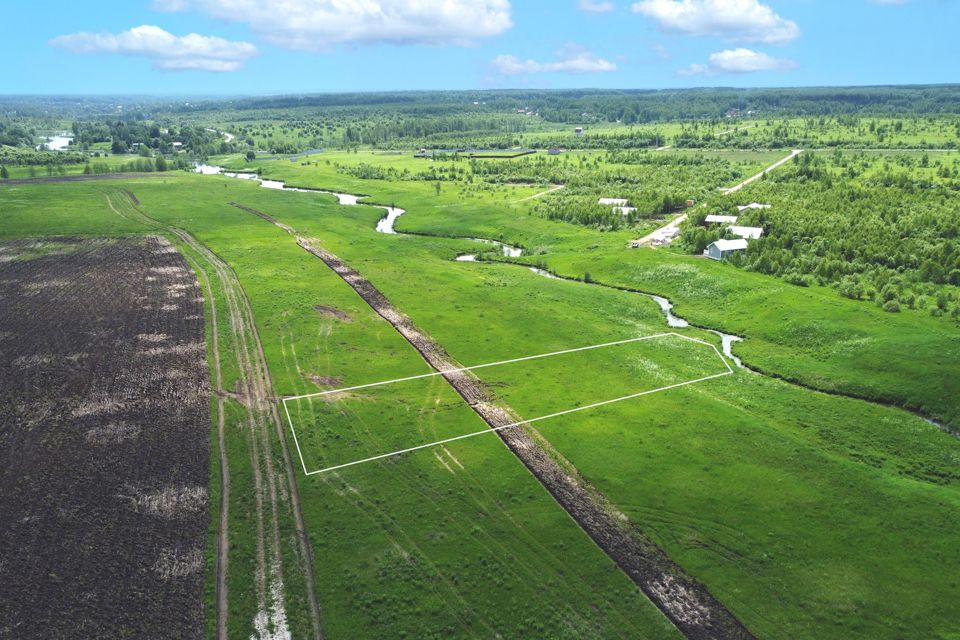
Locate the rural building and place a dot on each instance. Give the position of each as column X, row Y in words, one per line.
column 753, row 205
column 716, row 219
column 134, row 146
column 177, row 146
column 578, row 131
column 613, row 202
column 723, row 248
column 751, row 233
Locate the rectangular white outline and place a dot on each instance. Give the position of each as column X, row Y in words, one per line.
column 296, row 442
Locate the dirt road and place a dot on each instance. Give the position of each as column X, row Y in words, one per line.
column 273, row 485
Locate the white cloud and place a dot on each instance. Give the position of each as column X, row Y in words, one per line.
column 738, row 61
column 167, row 51
column 735, row 20
column 316, row 25
column 596, row 6
column 570, row 59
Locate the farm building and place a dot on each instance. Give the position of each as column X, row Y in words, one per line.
column 753, row 205
column 613, row 202
column 751, row 233
column 716, row 219
column 723, row 248
column 578, row 131
column 177, row 146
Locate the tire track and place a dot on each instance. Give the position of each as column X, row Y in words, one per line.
column 256, row 394
column 683, row 600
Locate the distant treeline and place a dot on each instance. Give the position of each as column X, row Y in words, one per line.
column 633, row 106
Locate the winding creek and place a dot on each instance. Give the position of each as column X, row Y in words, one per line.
column 386, row 225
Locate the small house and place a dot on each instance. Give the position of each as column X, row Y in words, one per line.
column 134, row 146
column 578, row 131
column 177, row 146
column 717, row 219
column 721, row 249
column 750, row 233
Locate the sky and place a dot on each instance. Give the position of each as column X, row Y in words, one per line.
column 244, row 47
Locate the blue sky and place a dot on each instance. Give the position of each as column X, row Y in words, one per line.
column 301, row 46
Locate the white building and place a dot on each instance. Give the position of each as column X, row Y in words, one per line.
column 723, row 248
column 753, row 205
column 751, row 233
column 613, row 202
column 717, row 219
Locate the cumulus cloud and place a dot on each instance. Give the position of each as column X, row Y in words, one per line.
column 596, row 6
column 735, row 20
column 738, row 61
column 316, row 25
column 167, row 51
column 570, row 59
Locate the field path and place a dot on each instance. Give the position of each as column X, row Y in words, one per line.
column 542, row 193
column 685, row 602
column 223, row 542
column 772, row 167
column 257, row 396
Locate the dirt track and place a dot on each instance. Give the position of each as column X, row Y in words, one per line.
column 276, row 488
column 684, row 601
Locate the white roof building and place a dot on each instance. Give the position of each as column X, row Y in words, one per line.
column 722, row 248
column 616, row 202
column 753, row 233
column 753, row 205
column 717, row 219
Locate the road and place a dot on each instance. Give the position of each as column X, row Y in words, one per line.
column 775, row 165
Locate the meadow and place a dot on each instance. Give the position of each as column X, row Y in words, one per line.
column 808, row 491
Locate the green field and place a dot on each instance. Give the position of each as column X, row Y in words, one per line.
column 808, row 491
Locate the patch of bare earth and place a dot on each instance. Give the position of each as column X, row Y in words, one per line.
column 333, row 312
column 103, row 486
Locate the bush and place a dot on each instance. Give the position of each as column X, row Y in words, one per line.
column 892, row 306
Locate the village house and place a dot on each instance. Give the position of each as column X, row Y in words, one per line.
column 722, row 249
column 718, row 219
column 750, row 233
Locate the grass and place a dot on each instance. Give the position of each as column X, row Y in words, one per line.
column 807, row 515
column 430, row 554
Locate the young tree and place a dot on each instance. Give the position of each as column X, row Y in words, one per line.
column 4, row 174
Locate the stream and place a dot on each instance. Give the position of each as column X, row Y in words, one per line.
column 386, row 225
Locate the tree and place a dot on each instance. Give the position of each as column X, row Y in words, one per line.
column 4, row 174
column 436, row 186
column 251, row 155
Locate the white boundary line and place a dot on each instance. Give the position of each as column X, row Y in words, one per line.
column 728, row 372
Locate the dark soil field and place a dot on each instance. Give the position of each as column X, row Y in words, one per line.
column 104, row 433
